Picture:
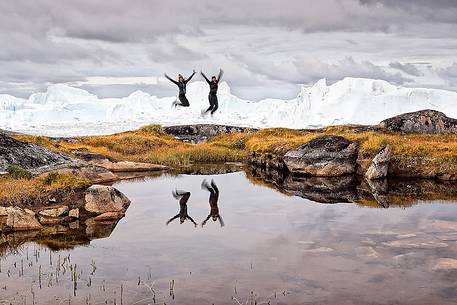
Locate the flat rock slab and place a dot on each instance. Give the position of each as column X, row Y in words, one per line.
column 325, row 156
column 54, row 212
column 109, row 216
column 424, row 122
column 128, row 166
column 93, row 174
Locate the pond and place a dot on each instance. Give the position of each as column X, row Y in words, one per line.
column 246, row 244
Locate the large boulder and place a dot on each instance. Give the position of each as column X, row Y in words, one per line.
column 101, row 199
column 380, row 164
column 17, row 219
column 325, row 156
column 424, row 121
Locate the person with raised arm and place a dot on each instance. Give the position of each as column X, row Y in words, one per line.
column 181, row 83
column 183, row 197
column 212, row 97
column 213, row 200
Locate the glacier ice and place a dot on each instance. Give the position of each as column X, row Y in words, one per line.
column 66, row 111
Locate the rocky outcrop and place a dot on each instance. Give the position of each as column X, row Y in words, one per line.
column 101, row 199
column 424, row 122
column 39, row 161
column 26, row 155
column 18, row 219
column 326, row 156
column 201, row 132
column 379, row 166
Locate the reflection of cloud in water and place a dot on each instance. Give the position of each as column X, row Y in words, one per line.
column 272, row 243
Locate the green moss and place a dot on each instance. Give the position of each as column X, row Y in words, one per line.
column 18, row 172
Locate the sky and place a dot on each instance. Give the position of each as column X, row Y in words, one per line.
column 267, row 48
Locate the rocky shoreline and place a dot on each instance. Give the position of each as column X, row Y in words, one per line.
column 327, row 168
column 334, row 156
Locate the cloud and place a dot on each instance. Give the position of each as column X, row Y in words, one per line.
column 407, row 68
column 449, row 74
column 265, row 46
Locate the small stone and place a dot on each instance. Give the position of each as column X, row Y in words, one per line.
column 74, row 213
column 445, row 264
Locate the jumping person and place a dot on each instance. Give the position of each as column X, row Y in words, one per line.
column 183, row 197
column 181, row 83
column 213, row 86
column 213, row 199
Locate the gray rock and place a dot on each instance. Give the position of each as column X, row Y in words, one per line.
column 325, row 156
column 26, row 155
column 424, row 122
column 100, row 199
column 379, row 166
column 201, row 132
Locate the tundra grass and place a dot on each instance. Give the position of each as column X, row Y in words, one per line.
column 427, row 155
column 15, row 191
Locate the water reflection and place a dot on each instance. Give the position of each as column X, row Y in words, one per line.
column 277, row 248
column 58, row 237
column 183, row 197
column 383, row 193
column 213, row 199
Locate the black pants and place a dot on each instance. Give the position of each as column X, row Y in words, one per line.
column 183, row 100
column 213, row 103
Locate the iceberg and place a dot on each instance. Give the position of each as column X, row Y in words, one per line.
column 66, row 111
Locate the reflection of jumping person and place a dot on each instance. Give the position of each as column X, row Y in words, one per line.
column 181, row 83
column 213, row 199
column 183, row 197
column 213, row 86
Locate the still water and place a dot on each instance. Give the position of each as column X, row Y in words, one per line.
column 235, row 242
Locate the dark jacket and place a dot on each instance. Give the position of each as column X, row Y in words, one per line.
column 213, row 86
column 181, row 84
